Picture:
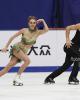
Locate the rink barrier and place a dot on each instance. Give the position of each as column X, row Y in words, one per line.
column 41, row 68
column 37, row 69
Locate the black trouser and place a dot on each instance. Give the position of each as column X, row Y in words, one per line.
column 75, row 70
column 73, row 51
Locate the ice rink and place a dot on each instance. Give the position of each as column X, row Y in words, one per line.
column 34, row 89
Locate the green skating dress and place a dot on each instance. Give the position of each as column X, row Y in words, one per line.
column 21, row 45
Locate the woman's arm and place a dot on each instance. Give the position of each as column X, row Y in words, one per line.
column 68, row 28
column 45, row 26
column 11, row 39
column 45, row 29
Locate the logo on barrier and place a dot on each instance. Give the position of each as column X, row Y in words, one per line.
column 44, row 50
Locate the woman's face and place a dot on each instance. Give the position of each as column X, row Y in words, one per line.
column 32, row 24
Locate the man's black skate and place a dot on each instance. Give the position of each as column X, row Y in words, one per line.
column 73, row 81
column 15, row 83
column 49, row 80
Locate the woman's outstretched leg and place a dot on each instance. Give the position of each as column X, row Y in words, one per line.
column 13, row 61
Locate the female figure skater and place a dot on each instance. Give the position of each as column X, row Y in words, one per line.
column 19, row 50
column 72, row 49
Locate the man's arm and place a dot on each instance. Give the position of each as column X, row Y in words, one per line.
column 68, row 29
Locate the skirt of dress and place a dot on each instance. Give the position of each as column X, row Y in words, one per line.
column 17, row 47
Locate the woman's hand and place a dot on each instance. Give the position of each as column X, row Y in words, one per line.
column 4, row 50
column 45, row 28
column 68, row 43
column 40, row 20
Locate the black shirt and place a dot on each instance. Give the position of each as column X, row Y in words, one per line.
column 76, row 39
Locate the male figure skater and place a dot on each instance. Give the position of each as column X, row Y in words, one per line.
column 72, row 50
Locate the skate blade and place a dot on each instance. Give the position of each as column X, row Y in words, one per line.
column 17, row 84
column 48, row 83
column 72, row 83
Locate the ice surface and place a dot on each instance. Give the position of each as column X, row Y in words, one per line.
column 34, row 89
